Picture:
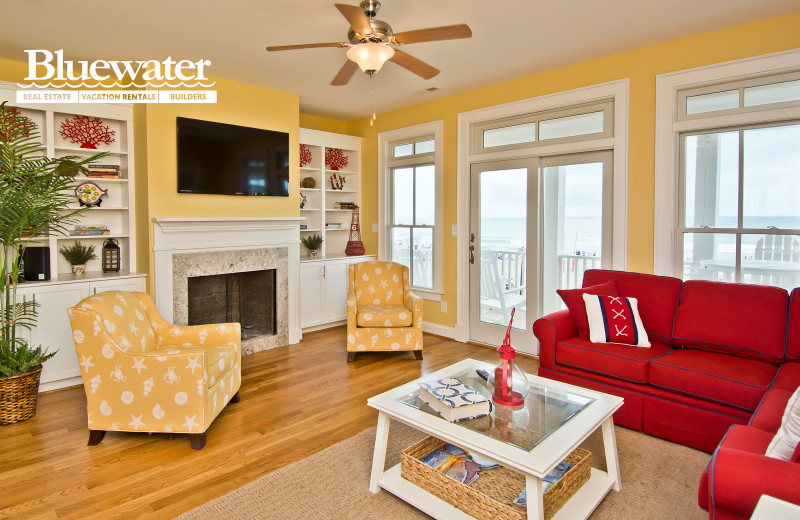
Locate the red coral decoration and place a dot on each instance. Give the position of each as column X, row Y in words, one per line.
column 88, row 131
column 335, row 158
column 22, row 124
column 305, row 155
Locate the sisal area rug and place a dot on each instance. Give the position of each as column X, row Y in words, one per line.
column 659, row 481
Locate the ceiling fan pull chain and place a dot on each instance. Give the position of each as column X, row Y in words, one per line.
column 372, row 96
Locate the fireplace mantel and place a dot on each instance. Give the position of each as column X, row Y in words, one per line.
column 175, row 235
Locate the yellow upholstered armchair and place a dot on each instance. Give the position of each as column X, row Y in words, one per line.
column 382, row 312
column 142, row 374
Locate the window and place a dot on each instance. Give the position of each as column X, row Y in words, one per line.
column 523, row 131
column 410, row 200
column 736, row 181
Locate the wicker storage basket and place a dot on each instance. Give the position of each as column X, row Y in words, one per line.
column 18, row 396
column 491, row 496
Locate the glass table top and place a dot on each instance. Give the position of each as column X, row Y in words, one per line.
column 545, row 411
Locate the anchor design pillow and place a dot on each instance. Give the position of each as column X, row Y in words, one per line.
column 615, row 319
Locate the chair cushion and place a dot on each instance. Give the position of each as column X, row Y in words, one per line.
column 732, row 380
column 739, row 319
column 383, row 316
column 380, row 283
column 124, row 318
column 573, row 299
column 657, row 296
column 219, row 360
column 620, row 361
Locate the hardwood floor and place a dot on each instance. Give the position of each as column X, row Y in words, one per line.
column 295, row 401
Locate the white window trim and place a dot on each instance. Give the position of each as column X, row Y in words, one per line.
column 385, row 139
column 668, row 126
column 618, row 91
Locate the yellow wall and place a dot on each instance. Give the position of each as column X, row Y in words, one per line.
column 323, row 124
column 237, row 104
column 641, row 66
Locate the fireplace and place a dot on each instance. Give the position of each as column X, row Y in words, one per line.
column 247, row 298
column 228, row 265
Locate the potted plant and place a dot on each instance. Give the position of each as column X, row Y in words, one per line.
column 35, row 193
column 77, row 255
column 312, row 243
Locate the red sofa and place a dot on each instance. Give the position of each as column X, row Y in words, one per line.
column 723, row 362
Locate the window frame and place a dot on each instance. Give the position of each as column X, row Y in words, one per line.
column 667, row 250
column 386, row 165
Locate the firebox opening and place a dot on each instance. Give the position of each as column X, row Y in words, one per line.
column 247, row 298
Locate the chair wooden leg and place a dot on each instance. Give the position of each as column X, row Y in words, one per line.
column 418, row 354
column 95, row 436
column 198, row 440
column 351, row 356
column 235, row 398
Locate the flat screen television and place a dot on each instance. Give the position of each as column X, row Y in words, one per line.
column 222, row 159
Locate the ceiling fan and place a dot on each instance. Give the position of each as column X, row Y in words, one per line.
column 371, row 42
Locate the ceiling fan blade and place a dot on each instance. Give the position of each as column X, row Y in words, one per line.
column 345, row 73
column 305, row 46
column 417, row 66
column 355, row 17
column 448, row 32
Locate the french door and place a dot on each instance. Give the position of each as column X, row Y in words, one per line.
column 536, row 224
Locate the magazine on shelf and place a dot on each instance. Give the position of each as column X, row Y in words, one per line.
column 459, row 469
column 453, row 399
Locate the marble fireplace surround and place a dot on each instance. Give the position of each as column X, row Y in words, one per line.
column 185, row 247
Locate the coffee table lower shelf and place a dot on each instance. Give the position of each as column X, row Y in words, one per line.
column 580, row 505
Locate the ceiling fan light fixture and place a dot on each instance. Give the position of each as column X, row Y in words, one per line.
column 370, row 57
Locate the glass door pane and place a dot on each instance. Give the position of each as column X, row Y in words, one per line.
column 576, row 194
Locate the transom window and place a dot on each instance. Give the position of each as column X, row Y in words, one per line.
column 742, row 96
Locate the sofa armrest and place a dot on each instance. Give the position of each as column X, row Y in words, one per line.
column 414, row 304
column 200, row 335
column 548, row 330
column 737, row 479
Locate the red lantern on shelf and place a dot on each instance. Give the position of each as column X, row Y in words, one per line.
column 354, row 246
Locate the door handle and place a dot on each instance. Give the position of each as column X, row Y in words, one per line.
column 472, row 254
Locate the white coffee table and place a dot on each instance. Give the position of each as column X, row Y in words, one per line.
column 535, row 463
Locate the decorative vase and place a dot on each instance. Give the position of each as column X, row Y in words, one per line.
column 312, row 253
column 18, row 396
column 78, row 269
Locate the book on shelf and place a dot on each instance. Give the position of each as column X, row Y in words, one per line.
column 344, row 205
column 103, row 166
column 453, row 399
column 93, row 175
column 81, row 231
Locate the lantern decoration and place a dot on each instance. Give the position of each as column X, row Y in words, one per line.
column 305, row 155
column 337, row 181
column 303, row 201
column 86, row 131
column 90, row 194
column 335, row 159
column 354, row 246
column 111, row 256
column 509, row 382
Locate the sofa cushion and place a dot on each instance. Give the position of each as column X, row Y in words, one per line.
column 383, row 316
column 615, row 319
column 770, row 411
column 573, row 299
column 620, row 361
column 785, row 442
column 732, row 380
column 657, row 296
column 788, row 377
column 793, row 331
column 740, row 319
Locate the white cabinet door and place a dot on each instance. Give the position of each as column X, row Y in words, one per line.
column 121, row 284
column 54, row 332
column 335, row 276
column 311, row 294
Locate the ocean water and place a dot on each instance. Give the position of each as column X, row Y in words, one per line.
column 508, row 234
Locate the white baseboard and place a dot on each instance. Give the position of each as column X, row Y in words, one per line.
column 439, row 330
column 60, row 383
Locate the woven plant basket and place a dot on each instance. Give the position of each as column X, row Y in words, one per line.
column 18, row 396
column 491, row 496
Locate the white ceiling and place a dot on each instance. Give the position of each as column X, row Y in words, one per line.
column 511, row 39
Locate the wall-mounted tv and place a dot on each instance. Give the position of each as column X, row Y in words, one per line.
column 222, row 159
